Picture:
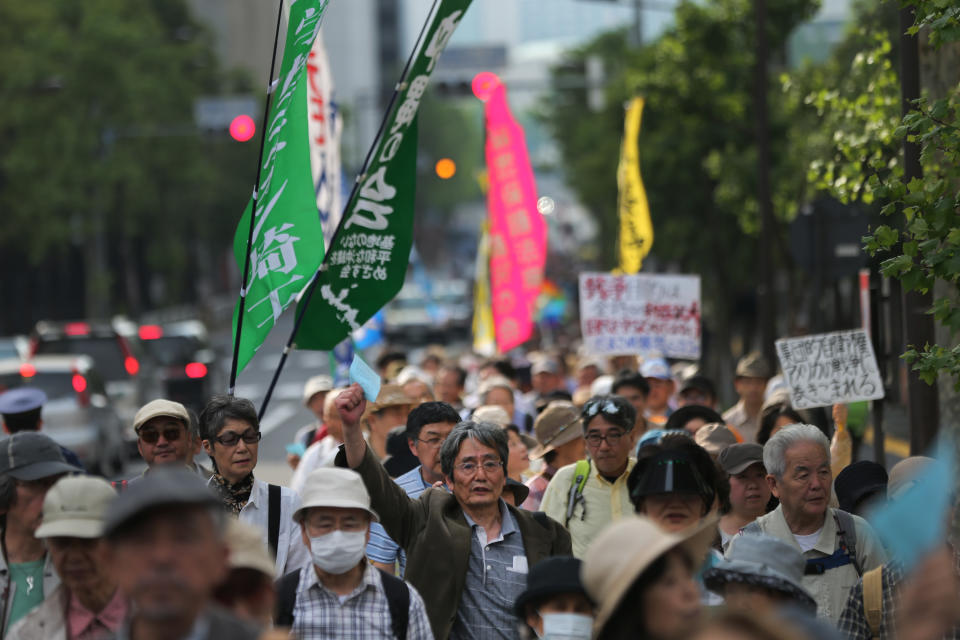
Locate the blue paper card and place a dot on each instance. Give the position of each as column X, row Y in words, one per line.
column 367, row 378
column 914, row 523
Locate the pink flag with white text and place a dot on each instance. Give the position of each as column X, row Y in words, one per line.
column 518, row 233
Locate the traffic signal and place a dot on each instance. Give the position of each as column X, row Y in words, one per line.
column 242, row 128
column 445, row 168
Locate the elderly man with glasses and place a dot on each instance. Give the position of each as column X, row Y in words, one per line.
column 231, row 437
column 167, row 433
column 588, row 495
column 468, row 551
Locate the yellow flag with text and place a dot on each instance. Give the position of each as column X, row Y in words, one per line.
column 636, row 228
column 484, row 341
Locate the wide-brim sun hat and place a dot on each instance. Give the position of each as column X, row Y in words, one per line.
column 762, row 561
column 627, row 548
column 334, row 487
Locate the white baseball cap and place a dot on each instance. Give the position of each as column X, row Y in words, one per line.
column 315, row 385
column 334, row 487
column 75, row 507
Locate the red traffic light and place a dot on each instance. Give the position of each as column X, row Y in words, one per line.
column 242, row 128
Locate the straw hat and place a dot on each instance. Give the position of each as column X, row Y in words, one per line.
column 625, row 549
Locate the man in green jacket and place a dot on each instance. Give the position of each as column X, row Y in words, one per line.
column 468, row 552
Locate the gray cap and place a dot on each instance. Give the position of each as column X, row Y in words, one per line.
column 163, row 486
column 30, row 455
column 737, row 457
column 762, row 561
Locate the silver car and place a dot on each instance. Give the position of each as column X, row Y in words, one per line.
column 78, row 414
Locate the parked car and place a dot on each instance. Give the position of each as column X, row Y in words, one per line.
column 454, row 298
column 128, row 380
column 187, row 366
column 78, row 414
column 14, row 347
column 411, row 317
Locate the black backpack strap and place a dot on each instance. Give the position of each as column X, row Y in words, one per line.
column 398, row 599
column 286, row 598
column 273, row 518
column 847, row 534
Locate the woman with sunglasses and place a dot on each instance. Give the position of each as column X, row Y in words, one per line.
column 231, row 437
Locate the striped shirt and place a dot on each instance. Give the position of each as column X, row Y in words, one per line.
column 381, row 547
column 496, row 575
column 363, row 614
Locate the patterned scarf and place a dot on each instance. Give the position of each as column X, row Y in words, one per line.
column 234, row 495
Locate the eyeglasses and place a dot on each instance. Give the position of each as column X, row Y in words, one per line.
column 433, row 443
column 612, row 438
column 231, row 438
column 151, row 436
column 470, row 468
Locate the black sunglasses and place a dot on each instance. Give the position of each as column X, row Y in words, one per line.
column 152, row 436
column 231, row 438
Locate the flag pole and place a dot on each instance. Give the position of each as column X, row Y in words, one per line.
column 253, row 210
column 307, row 292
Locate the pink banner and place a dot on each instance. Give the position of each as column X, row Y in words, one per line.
column 518, row 233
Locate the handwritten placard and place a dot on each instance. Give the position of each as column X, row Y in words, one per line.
column 830, row 368
column 640, row 314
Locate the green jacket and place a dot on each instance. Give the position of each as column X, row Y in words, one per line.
column 435, row 535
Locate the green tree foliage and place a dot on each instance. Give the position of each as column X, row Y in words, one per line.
column 697, row 143
column 97, row 135
column 919, row 240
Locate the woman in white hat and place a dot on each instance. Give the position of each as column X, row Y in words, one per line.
column 642, row 580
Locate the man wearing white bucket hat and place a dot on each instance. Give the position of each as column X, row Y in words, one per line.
column 342, row 595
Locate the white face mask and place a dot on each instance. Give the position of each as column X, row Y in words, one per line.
column 338, row 551
column 566, row 626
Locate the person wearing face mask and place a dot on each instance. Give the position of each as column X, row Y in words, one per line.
column 555, row 605
column 342, row 595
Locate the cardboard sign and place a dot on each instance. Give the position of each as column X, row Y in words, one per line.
column 645, row 314
column 830, row 368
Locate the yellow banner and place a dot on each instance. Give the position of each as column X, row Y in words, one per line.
column 636, row 228
column 484, row 341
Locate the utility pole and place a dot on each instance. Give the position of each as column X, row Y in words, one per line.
column 638, row 23
column 766, row 301
column 918, row 329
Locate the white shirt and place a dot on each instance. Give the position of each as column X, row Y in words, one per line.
column 291, row 552
column 320, row 454
column 808, row 541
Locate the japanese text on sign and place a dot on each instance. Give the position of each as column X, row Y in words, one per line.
column 640, row 314
column 830, row 368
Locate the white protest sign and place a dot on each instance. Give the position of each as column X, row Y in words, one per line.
column 830, row 368
column 640, row 314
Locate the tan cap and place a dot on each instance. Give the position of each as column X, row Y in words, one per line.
column 334, row 487
column 492, row 413
column 903, row 473
column 753, row 365
column 556, row 425
column 160, row 407
column 75, row 507
column 625, row 549
column 391, row 395
column 714, row 437
column 247, row 550
column 315, row 385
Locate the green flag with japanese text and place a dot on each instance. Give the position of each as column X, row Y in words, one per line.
column 368, row 257
column 286, row 247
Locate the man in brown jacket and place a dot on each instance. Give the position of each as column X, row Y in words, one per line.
column 468, row 552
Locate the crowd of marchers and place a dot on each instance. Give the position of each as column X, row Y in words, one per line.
column 548, row 496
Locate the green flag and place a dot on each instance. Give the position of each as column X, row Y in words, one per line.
column 368, row 258
column 287, row 244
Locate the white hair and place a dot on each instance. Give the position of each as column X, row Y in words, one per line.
column 775, row 451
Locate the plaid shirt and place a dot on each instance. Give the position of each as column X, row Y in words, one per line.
column 853, row 620
column 364, row 614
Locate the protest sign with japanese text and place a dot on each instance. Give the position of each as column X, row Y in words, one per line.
column 830, row 368
column 286, row 245
column 368, row 257
column 646, row 314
